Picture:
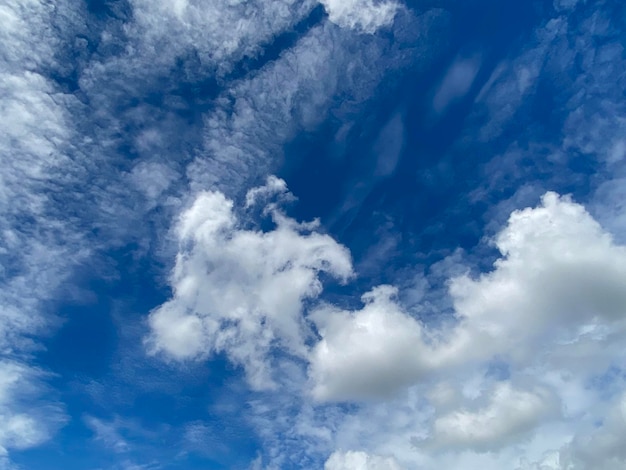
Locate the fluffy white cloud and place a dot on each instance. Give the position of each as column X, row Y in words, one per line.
column 354, row 460
column 506, row 377
column 559, row 273
column 368, row 353
column 362, row 15
column 52, row 141
column 561, row 281
column 240, row 291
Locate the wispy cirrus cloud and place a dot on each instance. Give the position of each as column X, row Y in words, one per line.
column 38, row 246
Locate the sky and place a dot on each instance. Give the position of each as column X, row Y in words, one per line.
column 291, row 234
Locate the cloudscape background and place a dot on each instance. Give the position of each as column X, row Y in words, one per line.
column 290, row 234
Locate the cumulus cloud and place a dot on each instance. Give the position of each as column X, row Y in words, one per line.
column 367, row 353
column 559, row 272
column 561, row 280
column 114, row 63
column 513, row 363
column 240, row 291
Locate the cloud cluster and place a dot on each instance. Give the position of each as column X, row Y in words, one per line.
column 363, row 15
column 528, row 365
column 560, row 278
column 528, row 339
column 367, row 353
column 524, row 340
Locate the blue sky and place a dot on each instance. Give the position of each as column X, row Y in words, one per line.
column 339, row 235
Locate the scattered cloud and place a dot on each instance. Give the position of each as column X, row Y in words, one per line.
column 558, row 288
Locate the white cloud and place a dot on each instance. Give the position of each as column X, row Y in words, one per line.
column 152, row 179
column 512, row 81
column 243, row 137
column 509, row 414
column 560, row 283
column 27, row 419
column 240, row 291
column 356, row 460
column 559, row 272
column 518, row 378
column 601, row 445
column 368, row 353
column 551, row 313
column 53, row 141
column 363, row 15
